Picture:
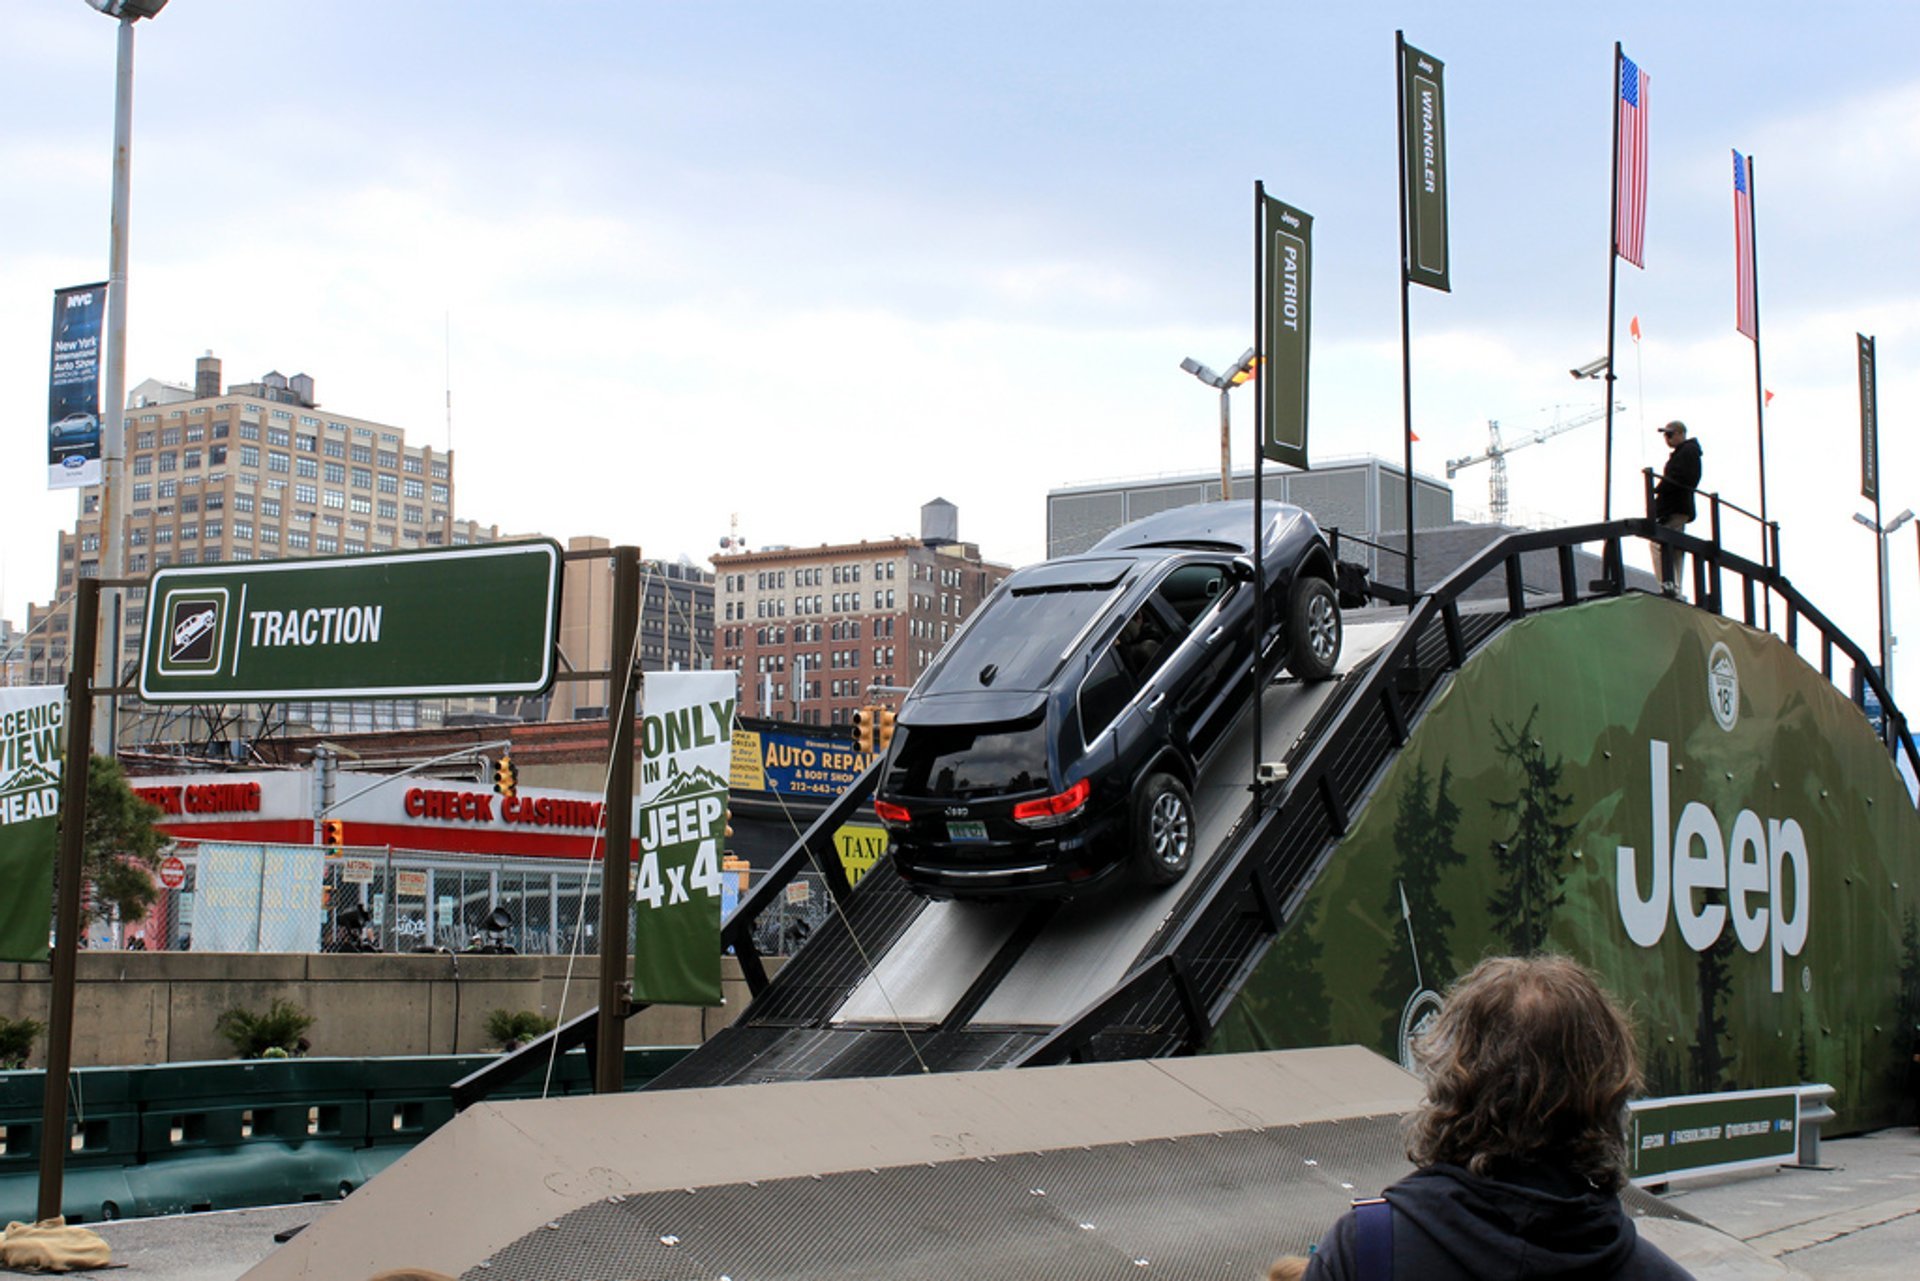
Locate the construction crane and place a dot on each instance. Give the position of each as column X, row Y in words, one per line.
column 1496, row 452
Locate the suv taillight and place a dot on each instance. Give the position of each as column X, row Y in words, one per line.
column 1054, row 809
column 888, row 812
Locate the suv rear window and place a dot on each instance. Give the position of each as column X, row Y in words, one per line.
column 1019, row 640
column 969, row 760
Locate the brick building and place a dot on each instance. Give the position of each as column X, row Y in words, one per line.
column 811, row 629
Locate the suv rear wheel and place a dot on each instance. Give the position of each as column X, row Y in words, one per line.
column 1161, row 840
column 1313, row 630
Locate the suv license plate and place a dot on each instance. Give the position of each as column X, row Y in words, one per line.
column 966, row 831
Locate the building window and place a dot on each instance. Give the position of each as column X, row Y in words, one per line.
column 298, row 540
column 362, row 478
column 306, row 467
column 212, row 531
column 143, row 492
column 168, row 489
column 307, row 443
column 269, row 535
column 307, row 494
column 168, row 460
column 389, row 510
column 279, row 463
column 412, row 465
column 416, row 489
column 190, row 460
column 249, row 431
column 413, row 515
column 389, row 484
column 170, row 436
column 250, row 456
column 279, row 436
column 332, row 498
column 270, row 508
column 336, row 474
column 143, row 465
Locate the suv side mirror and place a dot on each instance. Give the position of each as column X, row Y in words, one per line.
column 1242, row 569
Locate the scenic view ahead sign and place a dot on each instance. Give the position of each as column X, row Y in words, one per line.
column 466, row 620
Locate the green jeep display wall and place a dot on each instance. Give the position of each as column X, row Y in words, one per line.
column 1677, row 800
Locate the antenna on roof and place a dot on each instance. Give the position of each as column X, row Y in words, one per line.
column 448, row 381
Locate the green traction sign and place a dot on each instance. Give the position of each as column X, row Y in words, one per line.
column 470, row 620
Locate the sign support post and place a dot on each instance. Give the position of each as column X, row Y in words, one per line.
column 616, row 988
column 66, row 941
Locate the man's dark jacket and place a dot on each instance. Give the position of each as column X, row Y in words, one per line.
column 1678, row 479
column 1531, row 1221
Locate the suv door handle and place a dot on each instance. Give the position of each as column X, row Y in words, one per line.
column 1153, row 704
column 1215, row 635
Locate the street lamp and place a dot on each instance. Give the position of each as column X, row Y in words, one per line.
column 113, row 436
column 1243, row 370
column 1886, row 629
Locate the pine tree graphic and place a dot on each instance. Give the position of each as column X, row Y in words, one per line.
column 1529, row 860
column 1423, row 836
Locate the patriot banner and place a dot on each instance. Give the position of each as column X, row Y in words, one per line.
column 1424, row 161
column 32, row 718
column 1869, row 423
column 1286, row 319
column 686, row 753
column 1746, row 303
column 73, row 387
column 1630, row 161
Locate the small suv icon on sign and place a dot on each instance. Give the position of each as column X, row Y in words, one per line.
column 194, row 625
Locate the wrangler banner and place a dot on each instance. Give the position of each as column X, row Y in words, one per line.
column 31, row 721
column 73, row 387
column 1677, row 800
column 1424, row 166
column 686, row 750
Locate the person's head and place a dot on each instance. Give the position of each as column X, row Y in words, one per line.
column 1675, row 432
column 1529, row 1058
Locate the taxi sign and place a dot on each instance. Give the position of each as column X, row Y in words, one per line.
column 421, row 624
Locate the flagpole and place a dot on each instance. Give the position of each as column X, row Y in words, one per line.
column 1613, row 272
column 1406, row 342
column 1259, row 459
column 1759, row 395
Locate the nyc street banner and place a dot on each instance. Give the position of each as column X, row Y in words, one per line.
column 686, row 750
column 73, row 394
column 1287, row 241
column 31, row 721
column 1424, row 173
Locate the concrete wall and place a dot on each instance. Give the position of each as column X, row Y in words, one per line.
column 160, row 1007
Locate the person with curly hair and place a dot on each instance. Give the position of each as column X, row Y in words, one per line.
column 1520, row 1142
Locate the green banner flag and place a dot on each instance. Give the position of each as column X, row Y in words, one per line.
column 1286, row 314
column 1423, row 174
column 31, row 724
column 1869, row 424
column 686, row 750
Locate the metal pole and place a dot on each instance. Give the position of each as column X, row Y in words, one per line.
column 616, row 987
column 113, row 438
column 1406, row 340
column 1226, row 447
column 66, row 936
column 1613, row 272
column 1259, row 456
column 1767, row 557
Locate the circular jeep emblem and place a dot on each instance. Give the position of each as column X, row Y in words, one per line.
column 1723, row 685
column 1422, row 1008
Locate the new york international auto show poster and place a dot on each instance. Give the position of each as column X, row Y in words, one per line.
column 31, row 718
column 686, row 749
column 73, row 392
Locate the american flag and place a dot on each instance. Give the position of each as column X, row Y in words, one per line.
column 1746, row 303
column 1630, row 166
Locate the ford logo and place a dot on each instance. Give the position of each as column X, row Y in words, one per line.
column 73, row 462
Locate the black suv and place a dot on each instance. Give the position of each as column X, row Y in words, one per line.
column 1054, row 742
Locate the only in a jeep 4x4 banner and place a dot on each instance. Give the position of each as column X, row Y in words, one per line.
column 686, row 752
column 32, row 721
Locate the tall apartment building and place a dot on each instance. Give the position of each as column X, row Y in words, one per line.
column 258, row 471
column 676, row 625
column 809, row 629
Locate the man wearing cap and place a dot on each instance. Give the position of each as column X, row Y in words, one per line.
column 1673, row 498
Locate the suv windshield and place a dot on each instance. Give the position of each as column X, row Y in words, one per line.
column 968, row 760
column 1018, row 640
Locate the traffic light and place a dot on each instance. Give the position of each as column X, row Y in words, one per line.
column 883, row 728
column 506, row 779
column 866, row 727
column 333, row 834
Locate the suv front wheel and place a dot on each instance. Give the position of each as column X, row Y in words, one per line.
column 1313, row 630
column 1161, row 840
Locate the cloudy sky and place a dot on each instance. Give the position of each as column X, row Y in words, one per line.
column 811, row 265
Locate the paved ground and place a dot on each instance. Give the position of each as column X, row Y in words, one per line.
column 1859, row 1218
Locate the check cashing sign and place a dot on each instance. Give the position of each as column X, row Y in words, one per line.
column 467, row 620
